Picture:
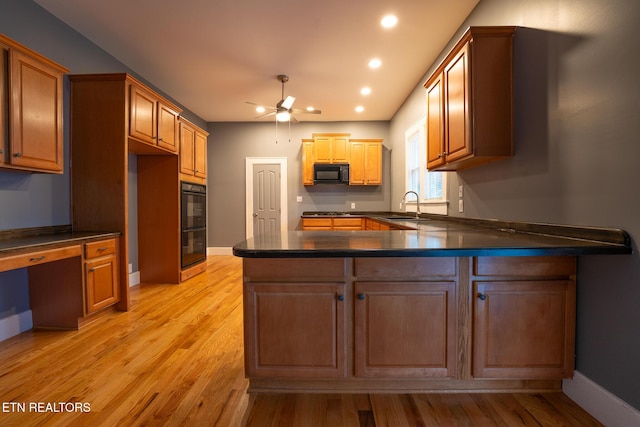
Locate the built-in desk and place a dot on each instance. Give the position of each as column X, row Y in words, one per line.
column 71, row 274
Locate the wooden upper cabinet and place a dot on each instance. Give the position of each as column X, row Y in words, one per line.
column 470, row 101
column 193, row 151
column 365, row 165
column 331, row 148
column 31, row 110
column 168, row 128
column 152, row 121
column 307, row 161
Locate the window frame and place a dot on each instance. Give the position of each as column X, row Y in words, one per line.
column 428, row 205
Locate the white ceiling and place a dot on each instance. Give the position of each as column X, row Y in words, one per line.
column 212, row 56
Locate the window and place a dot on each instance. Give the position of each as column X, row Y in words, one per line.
column 431, row 186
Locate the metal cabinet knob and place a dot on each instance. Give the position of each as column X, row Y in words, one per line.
column 340, row 297
column 361, row 297
column 482, row 297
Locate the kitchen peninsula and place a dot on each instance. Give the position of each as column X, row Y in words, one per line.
column 437, row 303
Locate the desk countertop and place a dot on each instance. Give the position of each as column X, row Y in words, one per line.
column 24, row 240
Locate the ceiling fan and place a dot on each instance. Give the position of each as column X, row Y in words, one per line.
column 283, row 109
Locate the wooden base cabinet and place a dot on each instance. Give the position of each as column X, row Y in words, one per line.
column 524, row 327
column 298, row 330
column 101, row 274
column 409, row 323
column 404, row 330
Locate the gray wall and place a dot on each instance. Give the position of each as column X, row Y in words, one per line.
column 577, row 121
column 231, row 143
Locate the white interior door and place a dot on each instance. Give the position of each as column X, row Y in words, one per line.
column 266, row 195
column 266, row 198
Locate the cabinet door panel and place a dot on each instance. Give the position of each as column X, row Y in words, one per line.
column 168, row 128
column 340, row 150
column 143, row 118
column 458, row 132
column 200, row 154
column 356, row 165
column 405, row 329
column 322, row 149
column 524, row 329
column 36, row 119
column 101, row 282
column 307, row 162
column 435, row 122
column 187, row 149
column 373, row 163
column 294, row 330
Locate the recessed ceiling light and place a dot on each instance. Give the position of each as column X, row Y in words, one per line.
column 359, row 109
column 389, row 21
column 310, row 108
column 365, row 91
column 260, row 109
column 375, row 63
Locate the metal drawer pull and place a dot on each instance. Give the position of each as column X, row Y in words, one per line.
column 39, row 258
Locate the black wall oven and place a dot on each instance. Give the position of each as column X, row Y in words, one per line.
column 193, row 218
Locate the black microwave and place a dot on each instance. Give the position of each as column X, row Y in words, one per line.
column 334, row 173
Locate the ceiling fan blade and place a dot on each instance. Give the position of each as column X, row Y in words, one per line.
column 261, row 105
column 305, row 111
column 293, row 119
column 271, row 113
column 287, row 102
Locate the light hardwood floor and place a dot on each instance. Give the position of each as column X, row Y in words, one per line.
column 176, row 359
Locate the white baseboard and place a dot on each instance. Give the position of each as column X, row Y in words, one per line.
column 607, row 408
column 134, row 278
column 219, row 251
column 15, row 324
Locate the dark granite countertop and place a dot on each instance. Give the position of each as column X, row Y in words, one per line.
column 33, row 239
column 435, row 235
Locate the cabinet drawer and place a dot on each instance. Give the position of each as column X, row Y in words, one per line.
column 298, row 269
column 99, row 248
column 385, row 268
column 38, row 257
column 347, row 222
column 316, row 222
column 525, row 266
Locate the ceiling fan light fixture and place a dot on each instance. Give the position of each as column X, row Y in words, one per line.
column 283, row 116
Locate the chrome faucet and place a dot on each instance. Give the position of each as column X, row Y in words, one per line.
column 403, row 202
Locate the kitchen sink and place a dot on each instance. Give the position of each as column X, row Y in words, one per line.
column 401, row 217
